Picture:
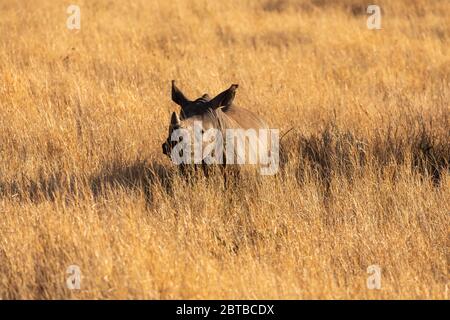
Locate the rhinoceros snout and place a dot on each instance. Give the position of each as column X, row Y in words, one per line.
column 165, row 148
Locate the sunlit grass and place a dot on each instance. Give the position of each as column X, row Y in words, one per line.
column 364, row 177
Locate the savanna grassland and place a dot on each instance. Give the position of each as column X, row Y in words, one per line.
column 364, row 176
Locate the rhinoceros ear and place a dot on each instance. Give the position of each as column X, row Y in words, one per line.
column 178, row 96
column 206, row 97
column 224, row 99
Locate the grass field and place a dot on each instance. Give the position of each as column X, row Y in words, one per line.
column 364, row 178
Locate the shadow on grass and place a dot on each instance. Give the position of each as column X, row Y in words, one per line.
column 137, row 176
column 329, row 154
column 334, row 152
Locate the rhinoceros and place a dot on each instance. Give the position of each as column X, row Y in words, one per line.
column 232, row 135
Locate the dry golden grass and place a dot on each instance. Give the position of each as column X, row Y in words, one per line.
column 365, row 176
